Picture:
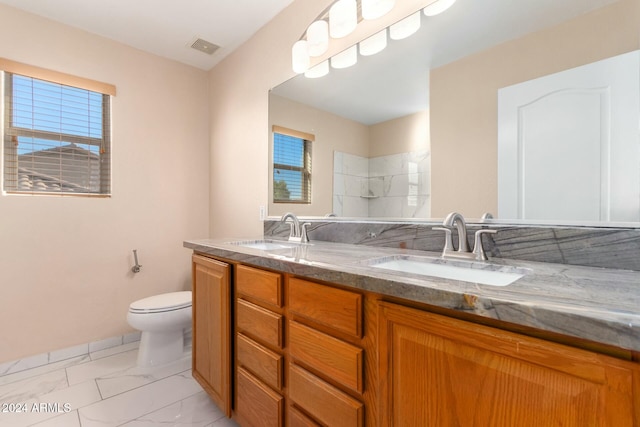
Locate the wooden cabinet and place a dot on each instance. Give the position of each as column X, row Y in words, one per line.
column 211, row 351
column 326, row 358
column 299, row 359
column 314, row 354
column 260, row 399
column 438, row 371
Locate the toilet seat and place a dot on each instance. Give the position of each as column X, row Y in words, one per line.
column 161, row 303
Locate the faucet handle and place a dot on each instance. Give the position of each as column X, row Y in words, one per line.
column 448, row 241
column 304, row 237
column 292, row 230
column 478, row 249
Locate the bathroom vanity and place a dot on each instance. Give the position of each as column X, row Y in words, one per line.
column 315, row 334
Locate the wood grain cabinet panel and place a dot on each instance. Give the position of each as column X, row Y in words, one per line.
column 261, row 324
column 211, row 322
column 296, row 418
column 336, row 359
column 264, row 363
column 323, row 401
column 337, row 308
column 437, row 371
column 264, row 286
column 257, row 404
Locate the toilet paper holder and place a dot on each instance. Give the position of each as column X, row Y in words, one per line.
column 136, row 268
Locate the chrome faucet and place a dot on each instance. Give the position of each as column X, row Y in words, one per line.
column 457, row 220
column 298, row 232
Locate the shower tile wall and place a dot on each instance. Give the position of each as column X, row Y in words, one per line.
column 394, row 186
column 350, row 174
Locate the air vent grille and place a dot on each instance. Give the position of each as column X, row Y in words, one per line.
column 204, row 46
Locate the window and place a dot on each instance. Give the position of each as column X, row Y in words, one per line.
column 291, row 166
column 56, row 137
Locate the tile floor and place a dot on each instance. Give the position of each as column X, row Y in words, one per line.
column 106, row 388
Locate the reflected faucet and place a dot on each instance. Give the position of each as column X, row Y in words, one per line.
column 298, row 232
column 457, row 220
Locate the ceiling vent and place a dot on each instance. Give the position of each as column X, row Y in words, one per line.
column 204, row 46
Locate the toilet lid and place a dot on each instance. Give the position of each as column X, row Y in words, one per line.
column 163, row 302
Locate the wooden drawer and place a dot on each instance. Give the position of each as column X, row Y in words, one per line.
column 323, row 401
column 264, row 363
column 298, row 419
column 261, row 324
column 264, row 286
column 340, row 361
column 333, row 307
column 256, row 403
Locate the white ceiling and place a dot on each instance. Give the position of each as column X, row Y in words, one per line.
column 164, row 27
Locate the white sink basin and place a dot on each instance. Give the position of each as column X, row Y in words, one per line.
column 467, row 271
column 265, row 245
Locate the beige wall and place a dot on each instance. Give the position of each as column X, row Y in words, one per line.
column 65, row 261
column 331, row 133
column 401, row 135
column 464, row 99
column 239, row 88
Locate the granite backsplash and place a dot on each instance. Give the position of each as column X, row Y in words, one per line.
column 617, row 248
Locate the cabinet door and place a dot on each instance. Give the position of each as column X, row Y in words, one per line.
column 211, row 329
column 437, row 371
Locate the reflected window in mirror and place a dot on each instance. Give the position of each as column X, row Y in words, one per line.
column 291, row 166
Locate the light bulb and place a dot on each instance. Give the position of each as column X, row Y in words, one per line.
column 318, row 38
column 346, row 58
column 300, row 57
column 438, row 6
column 406, row 27
column 320, row 70
column 374, row 44
column 374, row 9
column 343, row 18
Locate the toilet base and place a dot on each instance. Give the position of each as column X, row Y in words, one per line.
column 158, row 348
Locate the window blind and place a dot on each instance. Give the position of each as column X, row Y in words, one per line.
column 57, row 138
column 291, row 166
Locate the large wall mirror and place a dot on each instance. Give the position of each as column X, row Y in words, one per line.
column 418, row 129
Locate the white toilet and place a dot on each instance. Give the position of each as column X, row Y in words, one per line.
column 162, row 320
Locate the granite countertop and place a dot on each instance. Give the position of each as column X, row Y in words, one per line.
column 597, row 304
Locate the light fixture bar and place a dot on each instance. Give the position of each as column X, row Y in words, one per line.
column 341, row 19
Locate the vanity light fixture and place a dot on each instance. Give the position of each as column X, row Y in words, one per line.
column 438, row 7
column 339, row 20
column 403, row 29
